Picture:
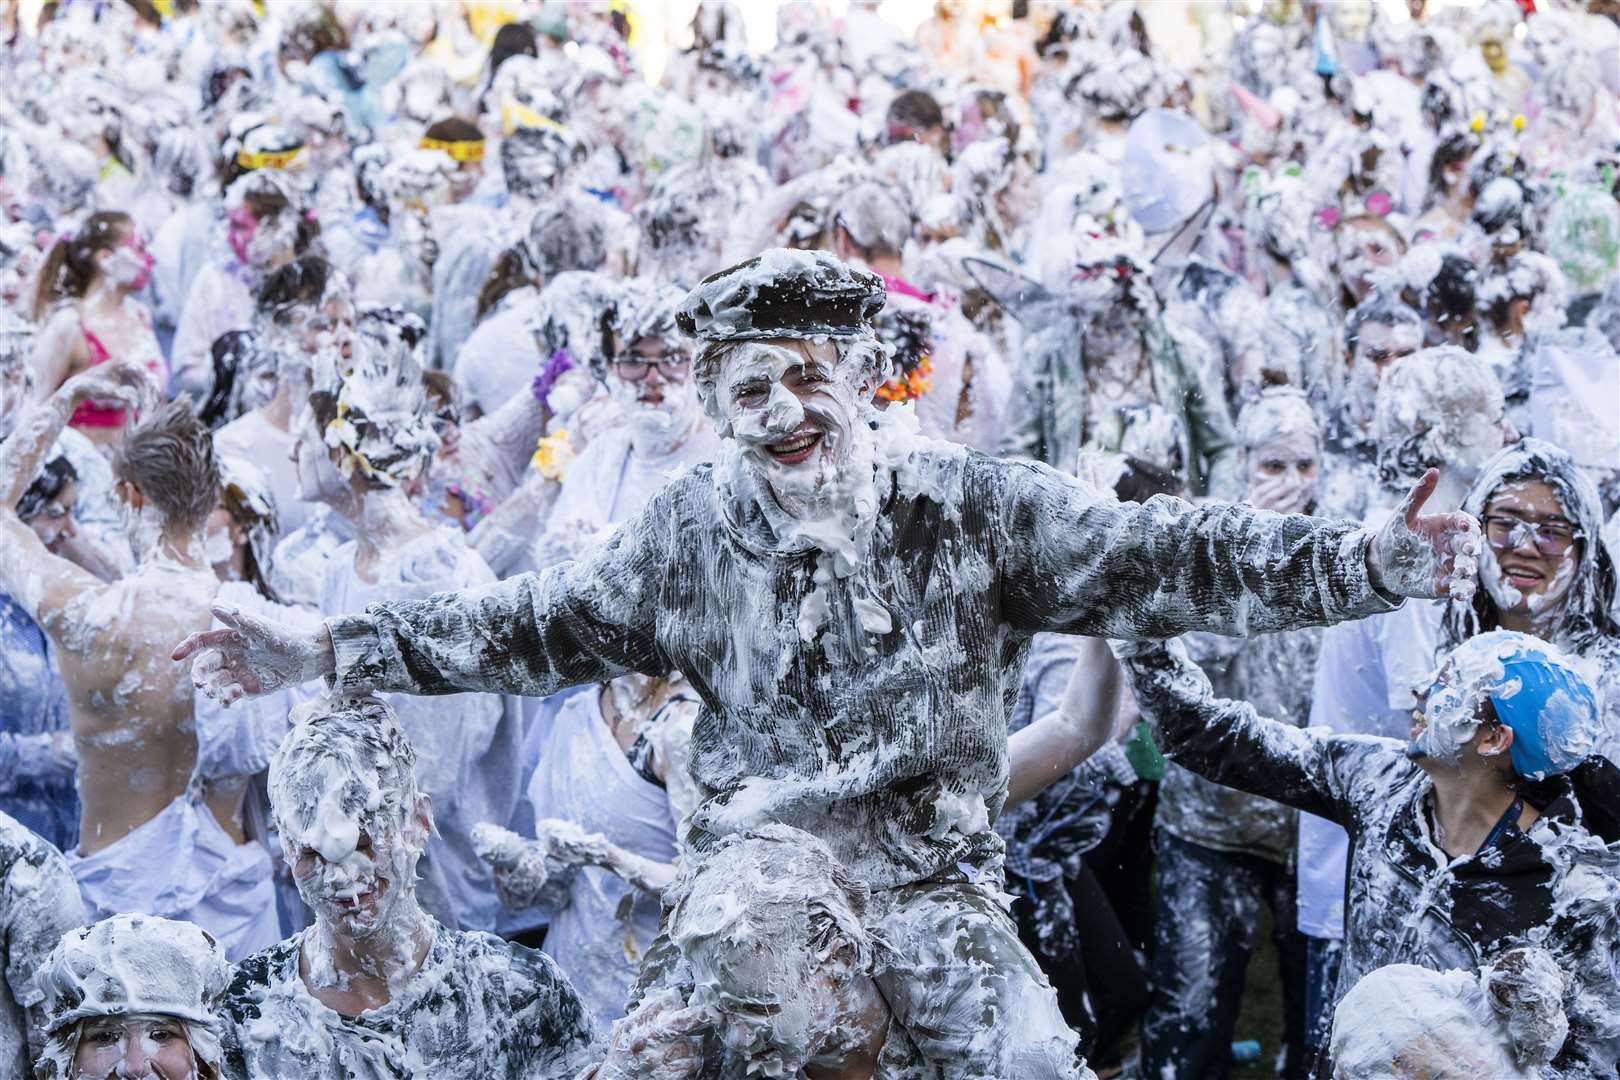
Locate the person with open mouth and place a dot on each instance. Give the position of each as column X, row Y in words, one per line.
column 853, row 603
column 1545, row 571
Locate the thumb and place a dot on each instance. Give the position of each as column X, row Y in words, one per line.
column 234, row 617
column 1412, row 506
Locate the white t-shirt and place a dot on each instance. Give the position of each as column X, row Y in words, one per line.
column 254, row 439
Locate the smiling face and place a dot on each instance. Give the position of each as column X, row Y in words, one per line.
column 794, row 408
column 652, row 382
column 146, row 1047
column 1532, row 550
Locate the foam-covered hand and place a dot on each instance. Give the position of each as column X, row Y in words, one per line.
column 659, row 1039
column 254, row 655
column 1426, row 555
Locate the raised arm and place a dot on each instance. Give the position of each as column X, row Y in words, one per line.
column 1229, row 743
column 1055, row 744
column 589, row 621
column 44, row 583
column 1070, row 562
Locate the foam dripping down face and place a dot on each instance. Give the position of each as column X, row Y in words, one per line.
column 353, row 854
column 795, row 410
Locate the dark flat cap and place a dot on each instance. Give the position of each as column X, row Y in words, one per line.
column 782, row 293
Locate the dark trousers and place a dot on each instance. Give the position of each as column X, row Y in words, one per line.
column 1207, row 918
column 1099, row 980
column 1322, row 959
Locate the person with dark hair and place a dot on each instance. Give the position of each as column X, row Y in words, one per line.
column 1362, row 245
column 914, row 116
column 145, row 842
column 830, row 568
column 302, row 307
column 1467, row 840
column 464, row 143
column 86, row 301
column 266, row 227
column 1447, row 301
column 512, row 39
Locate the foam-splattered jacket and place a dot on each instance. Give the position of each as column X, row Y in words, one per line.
column 39, row 902
column 892, row 747
column 1556, row 886
column 479, row 1008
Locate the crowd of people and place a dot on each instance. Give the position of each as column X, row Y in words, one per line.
column 869, row 560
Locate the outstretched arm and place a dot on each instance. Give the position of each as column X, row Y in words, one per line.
column 41, row 582
column 1231, row 744
column 1056, row 744
column 536, row 634
column 1070, row 562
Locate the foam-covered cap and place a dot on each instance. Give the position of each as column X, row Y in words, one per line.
column 782, row 293
column 134, row 965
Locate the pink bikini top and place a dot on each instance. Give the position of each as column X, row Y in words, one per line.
column 93, row 414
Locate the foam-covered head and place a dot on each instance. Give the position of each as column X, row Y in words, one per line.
column 1527, row 685
column 371, row 406
column 1405, row 1020
column 344, row 795
column 650, row 371
column 131, row 966
column 771, row 924
column 1438, row 408
column 1545, row 557
column 1282, row 449
column 169, row 458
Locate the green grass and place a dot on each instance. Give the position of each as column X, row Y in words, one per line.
column 1261, row 1017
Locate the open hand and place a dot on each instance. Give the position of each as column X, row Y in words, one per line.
column 1426, row 556
column 254, row 655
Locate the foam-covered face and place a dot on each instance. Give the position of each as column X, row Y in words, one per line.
column 793, row 408
column 1378, row 345
column 775, row 1003
column 54, row 523
column 1282, row 473
column 133, row 1048
column 1362, row 250
column 240, row 225
column 653, row 384
column 1532, row 552
column 353, row 856
column 1447, row 717
column 130, row 264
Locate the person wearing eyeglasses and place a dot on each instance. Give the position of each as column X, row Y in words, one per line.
column 1546, row 569
column 647, row 372
column 1475, row 835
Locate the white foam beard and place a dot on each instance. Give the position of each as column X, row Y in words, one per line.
column 657, row 429
column 828, row 503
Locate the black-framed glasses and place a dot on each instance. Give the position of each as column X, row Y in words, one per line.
column 1508, row 532
column 674, row 368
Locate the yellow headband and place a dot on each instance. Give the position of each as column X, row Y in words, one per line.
column 269, row 159
column 514, row 116
column 458, row 149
